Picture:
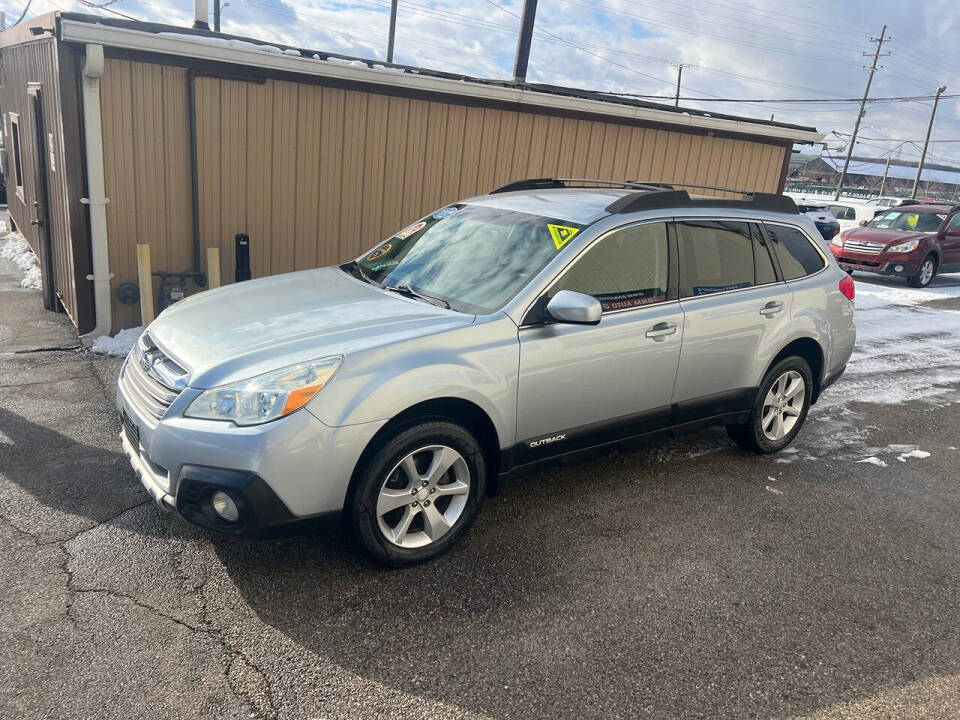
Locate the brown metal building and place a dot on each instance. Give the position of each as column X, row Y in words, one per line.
column 121, row 132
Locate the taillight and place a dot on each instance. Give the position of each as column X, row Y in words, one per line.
column 847, row 287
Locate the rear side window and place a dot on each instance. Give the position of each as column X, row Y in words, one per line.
column 626, row 269
column 797, row 255
column 715, row 256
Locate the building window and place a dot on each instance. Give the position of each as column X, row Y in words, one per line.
column 17, row 163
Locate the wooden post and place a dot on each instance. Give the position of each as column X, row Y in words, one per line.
column 145, row 275
column 213, row 267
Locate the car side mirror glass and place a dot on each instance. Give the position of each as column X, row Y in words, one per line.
column 575, row 308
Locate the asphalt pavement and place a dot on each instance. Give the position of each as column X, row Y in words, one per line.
column 684, row 579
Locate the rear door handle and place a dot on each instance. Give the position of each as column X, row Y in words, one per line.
column 661, row 330
column 772, row 309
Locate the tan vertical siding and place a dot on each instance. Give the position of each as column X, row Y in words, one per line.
column 53, row 68
column 315, row 175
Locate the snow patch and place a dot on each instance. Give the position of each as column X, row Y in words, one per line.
column 913, row 454
column 873, row 460
column 774, row 490
column 119, row 345
column 17, row 250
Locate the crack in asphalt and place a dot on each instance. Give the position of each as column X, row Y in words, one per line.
column 234, row 653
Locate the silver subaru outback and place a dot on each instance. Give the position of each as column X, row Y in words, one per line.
column 542, row 320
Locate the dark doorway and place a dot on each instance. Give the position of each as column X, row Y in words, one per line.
column 41, row 210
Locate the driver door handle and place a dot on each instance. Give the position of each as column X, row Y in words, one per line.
column 772, row 309
column 661, row 330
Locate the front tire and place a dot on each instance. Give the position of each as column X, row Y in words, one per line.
column 928, row 271
column 779, row 409
column 418, row 492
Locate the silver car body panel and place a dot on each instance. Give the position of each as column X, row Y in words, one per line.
column 533, row 382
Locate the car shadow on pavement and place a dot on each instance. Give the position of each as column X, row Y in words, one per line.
column 66, row 475
column 628, row 587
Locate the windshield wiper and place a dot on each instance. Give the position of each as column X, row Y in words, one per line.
column 407, row 291
column 356, row 269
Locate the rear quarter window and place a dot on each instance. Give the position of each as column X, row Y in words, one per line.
column 797, row 255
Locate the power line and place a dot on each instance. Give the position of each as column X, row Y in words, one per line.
column 577, row 47
column 23, row 14
column 818, row 101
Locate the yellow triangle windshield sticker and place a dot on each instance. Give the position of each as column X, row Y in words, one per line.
column 561, row 234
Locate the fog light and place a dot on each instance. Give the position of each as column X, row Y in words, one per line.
column 898, row 268
column 224, row 506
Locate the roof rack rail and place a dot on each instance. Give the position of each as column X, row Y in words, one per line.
column 549, row 183
column 637, row 201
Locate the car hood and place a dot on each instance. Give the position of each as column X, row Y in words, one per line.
column 881, row 235
column 253, row 327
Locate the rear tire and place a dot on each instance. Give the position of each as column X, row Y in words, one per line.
column 928, row 271
column 779, row 409
column 418, row 492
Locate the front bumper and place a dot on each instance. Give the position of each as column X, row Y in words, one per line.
column 879, row 264
column 282, row 471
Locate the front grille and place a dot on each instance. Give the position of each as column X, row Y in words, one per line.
column 865, row 247
column 151, row 379
column 864, row 263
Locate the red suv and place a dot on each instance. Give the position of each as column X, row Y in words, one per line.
column 912, row 241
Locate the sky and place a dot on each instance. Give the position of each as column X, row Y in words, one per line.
column 735, row 49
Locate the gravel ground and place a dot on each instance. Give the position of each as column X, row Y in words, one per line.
column 683, row 579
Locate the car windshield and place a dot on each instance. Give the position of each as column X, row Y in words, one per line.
column 812, row 208
column 925, row 222
column 472, row 257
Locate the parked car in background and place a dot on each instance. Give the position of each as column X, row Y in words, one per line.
column 850, row 213
column 913, row 241
column 827, row 225
column 883, row 202
column 484, row 339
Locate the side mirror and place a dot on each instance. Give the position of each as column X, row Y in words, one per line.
column 953, row 232
column 575, row 308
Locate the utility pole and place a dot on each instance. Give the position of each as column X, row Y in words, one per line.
column 523, row 42
column 216, row 15
column 679, row 67
column 923, row 156
column 393, row 30
column 886, row 171
column 863, row 105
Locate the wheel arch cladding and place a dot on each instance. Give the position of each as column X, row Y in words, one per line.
column 452, row 409
column 810, row 350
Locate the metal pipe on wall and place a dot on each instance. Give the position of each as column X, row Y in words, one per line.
column 96, row 199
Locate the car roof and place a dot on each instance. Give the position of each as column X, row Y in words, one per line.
column 587, row 205
column 580, row 205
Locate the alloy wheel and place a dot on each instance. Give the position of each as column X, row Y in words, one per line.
column 423, row 496
column 926, row 272
column 783, row 405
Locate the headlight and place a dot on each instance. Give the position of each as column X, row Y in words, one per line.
column 908, row 246
column 838, row 241
column 265, row 397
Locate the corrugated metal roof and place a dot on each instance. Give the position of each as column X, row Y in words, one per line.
column 876, row 168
